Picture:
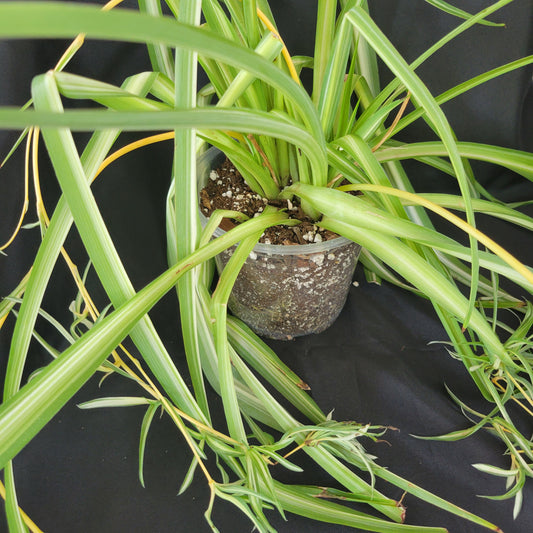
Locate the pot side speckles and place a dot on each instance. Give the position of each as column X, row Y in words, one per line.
column 282, row 296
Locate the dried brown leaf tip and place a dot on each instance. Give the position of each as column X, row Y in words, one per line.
column 303, row 385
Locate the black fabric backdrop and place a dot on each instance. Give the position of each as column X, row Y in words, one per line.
column 375, row 364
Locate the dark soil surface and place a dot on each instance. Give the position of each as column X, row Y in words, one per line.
column 226, row 189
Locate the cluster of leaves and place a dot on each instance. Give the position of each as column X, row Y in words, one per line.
column 272, row 130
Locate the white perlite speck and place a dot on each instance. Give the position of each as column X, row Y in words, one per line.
column 318, row 259
column 213, row 175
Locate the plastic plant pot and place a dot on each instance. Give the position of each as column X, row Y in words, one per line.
column 283, row 291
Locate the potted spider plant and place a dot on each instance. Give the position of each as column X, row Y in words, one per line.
column 334, row 152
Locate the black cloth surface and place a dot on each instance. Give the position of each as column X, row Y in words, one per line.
column 375, row 364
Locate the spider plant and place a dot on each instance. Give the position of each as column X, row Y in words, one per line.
column 341, row 137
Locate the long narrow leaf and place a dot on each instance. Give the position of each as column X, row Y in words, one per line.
column 184, row 168
column 145, row 428
column 516, row 160
column 24, row 414
column 160, row 55
column 456, row 12
column 466, row 86
column 418, row 272
column 434, row 115
column 298, row 501
column 49, row 19
column 324, row 35
column 240, row 120
column 256, row 353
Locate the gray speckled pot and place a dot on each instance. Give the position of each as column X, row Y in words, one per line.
column 287, row 291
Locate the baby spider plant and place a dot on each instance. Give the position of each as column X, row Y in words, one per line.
column 319, row 147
